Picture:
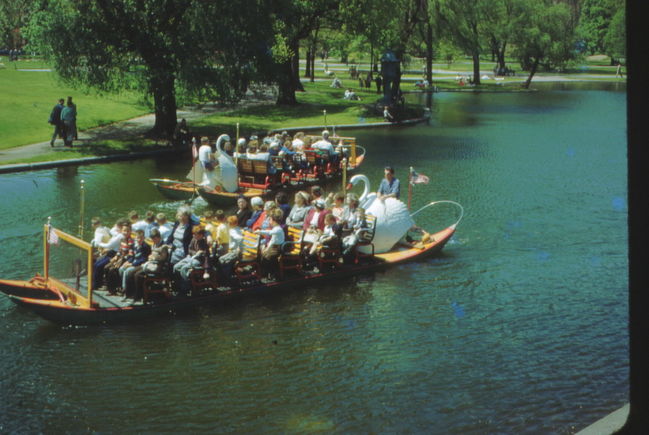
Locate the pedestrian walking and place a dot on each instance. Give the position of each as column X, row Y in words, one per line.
column 379, row 82
column 55, row 120
column 69, row 118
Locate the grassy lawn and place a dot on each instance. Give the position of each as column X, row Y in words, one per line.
column 318, row 96
column 27, row 97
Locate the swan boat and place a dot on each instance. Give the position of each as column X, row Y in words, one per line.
column 71, row 300
column 249, row 178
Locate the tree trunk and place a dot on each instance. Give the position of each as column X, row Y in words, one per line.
column 535, row 65
column 164, row 97
column 307, row 69
column 295, row 66
column 476, row 68
column 286, row 84
column 429, row 53
column 313, row 64
column 500, row 53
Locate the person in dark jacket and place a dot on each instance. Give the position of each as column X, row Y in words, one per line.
column 55, row 120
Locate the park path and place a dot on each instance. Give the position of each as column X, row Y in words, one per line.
column 130, row 128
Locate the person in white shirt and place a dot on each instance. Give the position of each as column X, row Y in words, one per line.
column 271, row 252
column 164, row 227
column 206, row 158
column 324, row 144
column 298, row 142
column 102, row 233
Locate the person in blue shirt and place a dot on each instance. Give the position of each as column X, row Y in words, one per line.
column 390, row 186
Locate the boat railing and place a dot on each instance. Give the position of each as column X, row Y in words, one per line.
column 444, row 201
column 66, row 256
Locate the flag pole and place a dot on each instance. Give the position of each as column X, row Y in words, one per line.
column 82, row 207
column 410, row 187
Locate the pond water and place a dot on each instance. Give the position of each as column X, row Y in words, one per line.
column 519, row 326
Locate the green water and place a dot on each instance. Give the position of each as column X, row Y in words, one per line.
column 520, row 326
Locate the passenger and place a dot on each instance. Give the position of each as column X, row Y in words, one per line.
column 163, row 226
column 299, row 211
column 197, row 254
column 225, row 262
column 107, row 251
column 144, row 224
column 243, row 211
column 126, row 249
column 298, row 142
column 281, row 199
column 241, row 149
column 263, row 222
column 101, row 234
column 154, row 265
column 117, row 228
column 181, row 235
column 133, row 263
column 324, row 145
column 338, row 208
column 358, row 226
column 257, row 209
column 350, row 208
column 272, row 250
column 314, row 220
column 329, row 237
column 274, row 145
column 222, row 235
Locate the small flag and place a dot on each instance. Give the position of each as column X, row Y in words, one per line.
column 53, row 238
column 416, row 178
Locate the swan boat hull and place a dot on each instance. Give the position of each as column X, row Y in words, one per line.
column 44, row 299
column 174, row 189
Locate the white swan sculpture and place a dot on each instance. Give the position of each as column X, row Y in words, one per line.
column 229, row 176
column 392, row 217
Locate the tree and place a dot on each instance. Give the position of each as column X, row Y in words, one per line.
column 293, row 21
column 542, row 35
column 14, row 15
column 157, row 46
column 595, row 18
column 615, row 39
column 466, row 27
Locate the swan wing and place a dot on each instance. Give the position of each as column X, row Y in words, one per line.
column 392, row 223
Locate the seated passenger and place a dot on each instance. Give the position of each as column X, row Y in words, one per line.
column 108, row 250
column 257, row 209
column 338, row 208
column 298, row 142
column 241, row 149
column 180, row 235
column 154, row 265
column 263, row 222
column 133, row 263
column 324, row 145
column 315, row 220
column 197, row 254
column 272, row 250
column 221, row 234
column 101, row 234
column 225, row 262
column 111, row 270
column 163, row 226
column 299, row 210
column 328, row 237
column 281, row 199
column 244, row 212
column 349, row 211
column 358, row 226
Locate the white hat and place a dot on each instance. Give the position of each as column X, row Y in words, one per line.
column 325, row 133
column 241, row 141
column 320, row 203
column 257, row 201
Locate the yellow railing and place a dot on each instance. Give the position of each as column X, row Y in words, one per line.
column 85, row 300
